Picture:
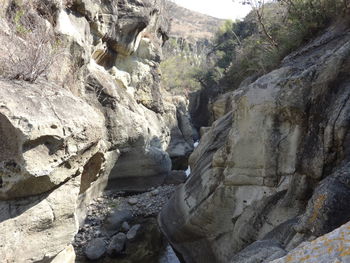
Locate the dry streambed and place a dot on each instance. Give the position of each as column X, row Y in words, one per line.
column 123, row 228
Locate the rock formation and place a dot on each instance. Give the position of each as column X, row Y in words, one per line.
column 98, row 118
column 272, row 171
column 83, row 111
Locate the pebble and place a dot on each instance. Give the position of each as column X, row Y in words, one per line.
column 125, row 227
column 133, row 201
column 132, row 233
column 155, row 192
column 100, row 213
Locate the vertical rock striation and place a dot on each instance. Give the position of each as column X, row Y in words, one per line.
column 99, row 118
column 272, row 171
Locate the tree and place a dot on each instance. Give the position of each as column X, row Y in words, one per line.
column 258, row 9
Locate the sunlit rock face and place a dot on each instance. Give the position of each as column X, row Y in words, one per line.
column 44, row 142
column 271, row 171
column 77, row 130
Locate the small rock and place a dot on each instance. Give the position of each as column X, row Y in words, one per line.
column 115, row 221
column 132, row 201
column 132, row 233
column 95, row 249
column 155, row 192
column 117, row 244
column 125, row 227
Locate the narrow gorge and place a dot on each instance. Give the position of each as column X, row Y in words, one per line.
column 102, row 106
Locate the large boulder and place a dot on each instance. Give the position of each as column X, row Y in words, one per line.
column 259, row 164
column 45, row 221
column 333, row 247
column 47, row 136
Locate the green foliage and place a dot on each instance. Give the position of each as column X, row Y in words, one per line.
column 251, row 47
column 257, row 44
column 178, row 72
column 33, row 48
column 19, row 19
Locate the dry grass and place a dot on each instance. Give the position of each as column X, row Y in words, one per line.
column 29, row 48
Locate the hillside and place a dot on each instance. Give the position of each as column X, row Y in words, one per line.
column 191, row 25
column 186, row 52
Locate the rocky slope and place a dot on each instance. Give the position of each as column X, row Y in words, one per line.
column 189, row 24
column 97, row 119
column 273, row 169
column 190, row 32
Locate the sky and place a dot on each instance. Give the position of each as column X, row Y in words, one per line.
column 226, row 9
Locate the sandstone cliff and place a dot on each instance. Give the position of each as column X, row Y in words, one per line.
column 272, row 171
column 98, row 118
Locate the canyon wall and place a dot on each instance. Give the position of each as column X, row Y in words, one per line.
column 97, row 119
column 272, row 171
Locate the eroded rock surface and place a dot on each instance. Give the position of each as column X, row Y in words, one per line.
column 76, row 130
column 274, row 166
column 333, row 247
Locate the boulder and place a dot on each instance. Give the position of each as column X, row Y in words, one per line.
column 95, row 249
column 45, row 221
column 260, row 252
column 258, row 165
column 332, row 247
column 65, row 256
column 45, row 142
column 115, row 220
column 329, row 205
column 116, row 245
column 142, row 136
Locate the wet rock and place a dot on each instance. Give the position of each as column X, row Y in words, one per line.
column 117, row 244
column 132, row 233
column 95, row 249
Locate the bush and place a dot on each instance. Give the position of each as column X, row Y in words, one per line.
column 257, row 44
column 177, row 74
column 33, row 47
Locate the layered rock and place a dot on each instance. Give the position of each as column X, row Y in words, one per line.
column 97, row 119
column 271, row 172
column 45, row 143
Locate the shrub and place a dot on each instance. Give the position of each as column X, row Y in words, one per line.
column 33, row 47
column 177, row 74
column 257, row 44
